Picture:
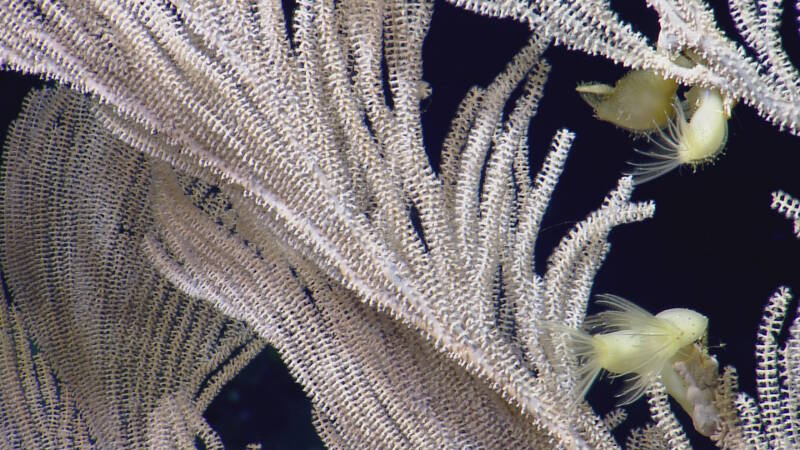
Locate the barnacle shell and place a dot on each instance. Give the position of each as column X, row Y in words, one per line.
column 641, row 101
column 705, row 134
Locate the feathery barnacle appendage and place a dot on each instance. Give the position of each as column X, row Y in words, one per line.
column 693, row 142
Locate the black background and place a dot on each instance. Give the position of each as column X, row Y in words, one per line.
column 714, row 244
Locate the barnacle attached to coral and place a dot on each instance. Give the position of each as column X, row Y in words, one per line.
column 693, row 142
column 629, row 341
column 692, row 132
column 640, row 101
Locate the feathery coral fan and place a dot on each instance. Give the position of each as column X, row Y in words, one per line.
column 287, row 186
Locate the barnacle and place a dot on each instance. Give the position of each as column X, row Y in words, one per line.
column 628, row 341
column 640, row 101
column 692, row 142
column 693, row 132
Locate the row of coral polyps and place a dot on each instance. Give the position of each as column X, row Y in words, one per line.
column 691, row 132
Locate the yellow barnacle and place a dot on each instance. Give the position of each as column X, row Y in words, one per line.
column 704, row 136
column 640, row 101
column 690, row 326
column 630, row 341
column 694, row 142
